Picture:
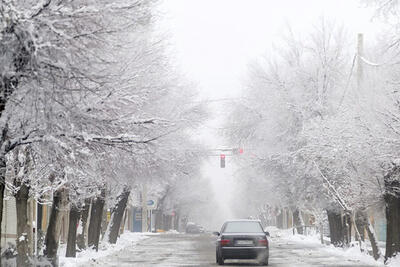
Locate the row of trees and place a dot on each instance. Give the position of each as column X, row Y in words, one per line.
column 90, row 108
column 321, row 127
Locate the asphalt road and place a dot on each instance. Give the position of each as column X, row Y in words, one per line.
column 199, row 250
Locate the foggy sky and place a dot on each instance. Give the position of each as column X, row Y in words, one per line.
column 213, row 41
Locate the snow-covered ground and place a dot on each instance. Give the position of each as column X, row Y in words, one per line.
column 175, row 249
column 314, row 249
column 127, row 239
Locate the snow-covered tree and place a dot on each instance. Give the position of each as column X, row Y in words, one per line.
column 88, row 87
column 287, row 97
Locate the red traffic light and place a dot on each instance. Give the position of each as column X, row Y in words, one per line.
column 240, row 150
column 222, row 161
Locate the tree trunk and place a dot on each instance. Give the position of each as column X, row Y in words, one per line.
column 335, row 228
column 158, row 218
column 2, row 189
column 363, row 222
column 164, row 222
column 321, row 232
column 122, row 228
column 392, row 199
column 117, row 215
column 346, row 224
column 169, row 222
column 74, row 215
column 279, row 220
column 360, row 224
column 40, row 231
column 372, row 238
column 104, row 224
column 95, row 220
column 52, row 234
column 23, row 226
column 297, row 221
column 177, row 221
column 82, row 237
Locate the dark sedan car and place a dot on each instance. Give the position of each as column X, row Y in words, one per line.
column 192, row 228
column 242, row 239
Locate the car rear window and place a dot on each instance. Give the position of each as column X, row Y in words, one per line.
column 243, row 227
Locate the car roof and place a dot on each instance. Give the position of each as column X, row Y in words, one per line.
column 243, row 220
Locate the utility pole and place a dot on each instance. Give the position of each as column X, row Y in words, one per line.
column 360, row 53
column 144, row 207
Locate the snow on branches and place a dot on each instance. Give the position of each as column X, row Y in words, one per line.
column 87, row 87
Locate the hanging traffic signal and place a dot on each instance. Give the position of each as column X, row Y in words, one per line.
column 222, row 160
column 240, row 150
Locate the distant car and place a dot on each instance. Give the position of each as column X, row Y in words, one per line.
column 192, row 228
column 242, row 239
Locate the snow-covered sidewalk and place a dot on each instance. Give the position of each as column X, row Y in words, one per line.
column 313, row 248
column 127, row 239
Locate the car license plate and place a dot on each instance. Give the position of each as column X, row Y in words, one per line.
column 244, row 242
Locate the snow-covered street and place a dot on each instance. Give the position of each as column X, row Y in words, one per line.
column 199, row 133
column 175, row 249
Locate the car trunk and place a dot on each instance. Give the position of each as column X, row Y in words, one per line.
column 243, row 240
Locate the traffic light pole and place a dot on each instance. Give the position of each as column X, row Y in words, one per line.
column 224, row 152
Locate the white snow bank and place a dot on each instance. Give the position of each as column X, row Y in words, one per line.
column 352, row 253
column 172, row 232
column 395, row 262
column 105, row 249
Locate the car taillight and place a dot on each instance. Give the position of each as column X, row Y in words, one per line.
column 263, row 242
column 225, row 242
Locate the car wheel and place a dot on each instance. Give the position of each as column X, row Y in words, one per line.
column 220, row 260
column 264, row 262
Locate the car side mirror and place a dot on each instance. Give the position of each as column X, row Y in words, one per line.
column 267, row 233
column 216, row 233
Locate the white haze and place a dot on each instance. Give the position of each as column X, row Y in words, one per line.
column 214, row 41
